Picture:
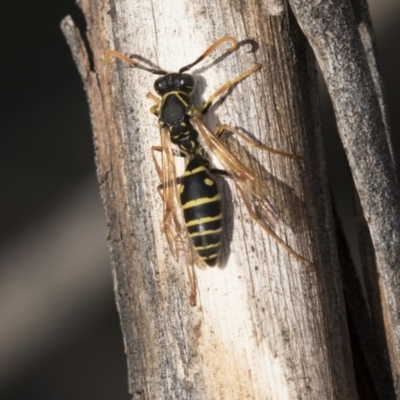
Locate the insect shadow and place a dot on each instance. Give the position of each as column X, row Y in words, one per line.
column 292, row 210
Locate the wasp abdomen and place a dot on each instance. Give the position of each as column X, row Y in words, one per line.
column 201, row 204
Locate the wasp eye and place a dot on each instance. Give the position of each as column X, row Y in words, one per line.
column 160, row 85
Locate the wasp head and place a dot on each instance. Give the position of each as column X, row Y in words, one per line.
column 174, row 81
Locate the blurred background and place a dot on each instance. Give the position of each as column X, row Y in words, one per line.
column 59, row 330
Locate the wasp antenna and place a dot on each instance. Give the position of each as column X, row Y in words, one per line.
column 108, row 55
column 213, row 47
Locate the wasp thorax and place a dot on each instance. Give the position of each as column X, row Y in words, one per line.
column 174, row 81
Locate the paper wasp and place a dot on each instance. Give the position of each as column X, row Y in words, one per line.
column 193, row 218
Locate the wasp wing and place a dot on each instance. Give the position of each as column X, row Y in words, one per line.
column 253, row 190
column 174, row 223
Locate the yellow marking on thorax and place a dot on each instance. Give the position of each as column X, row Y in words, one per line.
column 176, row 93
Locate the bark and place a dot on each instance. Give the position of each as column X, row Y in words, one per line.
column 265, row 326
column 341, row 36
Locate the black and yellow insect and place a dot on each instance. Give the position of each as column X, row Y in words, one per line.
column 202, row 209
column 192, row 213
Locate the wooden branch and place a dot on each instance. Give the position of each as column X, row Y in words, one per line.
column 265, row 326
column 343, row 47
column 371, row 366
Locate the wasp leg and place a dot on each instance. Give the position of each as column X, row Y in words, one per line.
column 227, row 85
column 176, row 153
column 214, row 46
column 270, row 232
column 220, row 172
column 161, row 186
column 226, row 128
column 155, row 109
column 159, row 170
column 189, row 268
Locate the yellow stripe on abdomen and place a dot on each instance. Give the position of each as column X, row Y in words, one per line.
column 203, row 233
column 200, row 201
column 208, row 247
column 203, row 220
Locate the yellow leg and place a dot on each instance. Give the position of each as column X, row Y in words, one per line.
column 156, row 107
column 226, row 86
column 158, row 168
